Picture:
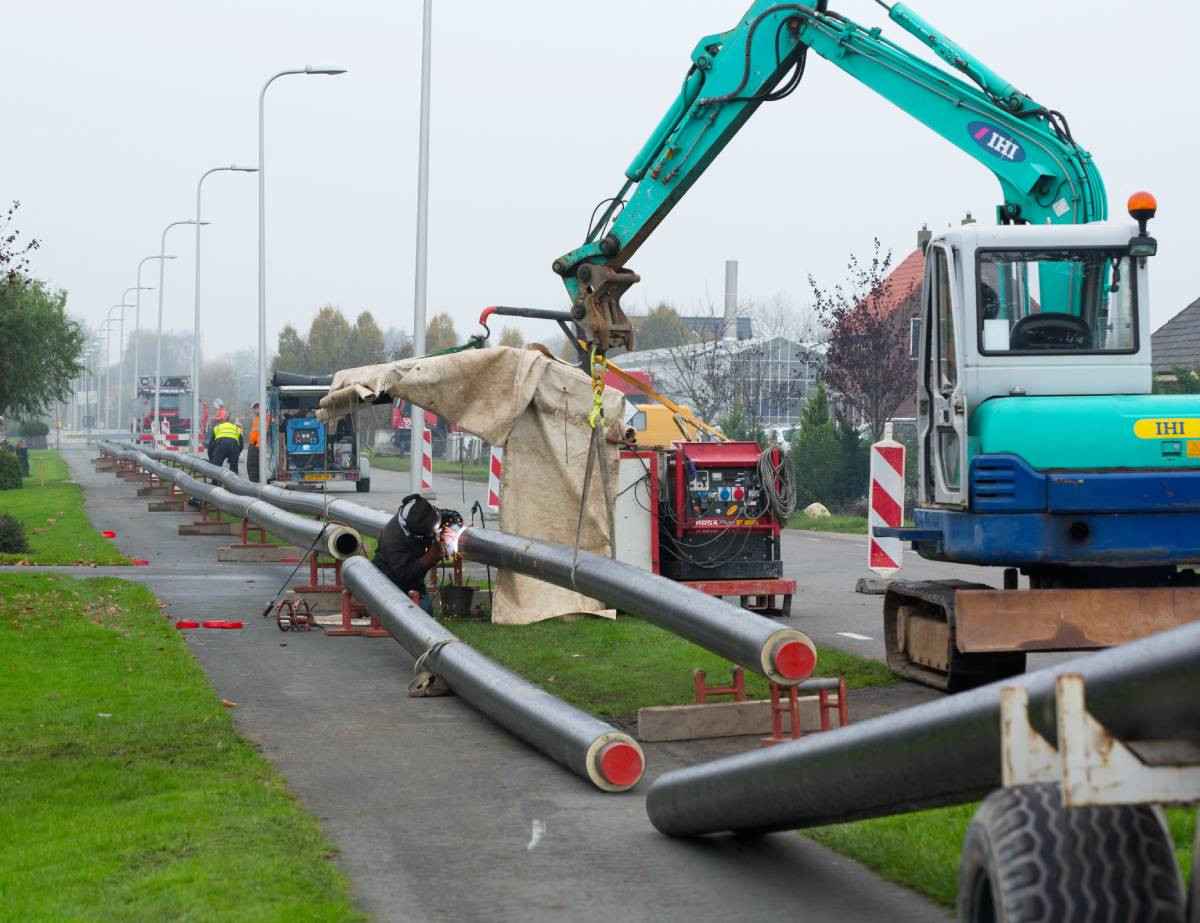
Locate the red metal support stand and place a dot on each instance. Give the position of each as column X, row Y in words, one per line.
column 779, row 708
column 840, row 705
column 247, row 528
column 351, row 609
column 701, row 691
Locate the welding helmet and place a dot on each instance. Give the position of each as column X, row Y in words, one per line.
column 418, row 516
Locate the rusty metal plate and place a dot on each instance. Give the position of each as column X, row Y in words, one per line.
column 1068, row 619
column 927, row 641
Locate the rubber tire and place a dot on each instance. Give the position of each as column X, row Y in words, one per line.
column 252, row 464
column 363, row 485
column 1026, row 858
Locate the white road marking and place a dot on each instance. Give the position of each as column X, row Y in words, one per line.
column 856, row 637
column 538, row 829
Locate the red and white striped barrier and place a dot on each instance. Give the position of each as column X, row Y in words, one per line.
column 886, row 501
column 493, row 500
column 427, row 461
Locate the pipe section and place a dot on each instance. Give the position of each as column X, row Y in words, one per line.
column 784, row 655
column 943, row 752
column 612, row 760
column 335, row 539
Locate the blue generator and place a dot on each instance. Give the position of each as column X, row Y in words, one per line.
column 305, row 444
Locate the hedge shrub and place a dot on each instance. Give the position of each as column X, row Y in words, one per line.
column 34, row 428
column 10, row 470
column 12, row 535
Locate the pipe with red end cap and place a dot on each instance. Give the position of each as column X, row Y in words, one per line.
column 757, row 643
column 612, row 760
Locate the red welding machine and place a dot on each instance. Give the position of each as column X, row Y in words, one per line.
column 715, row 517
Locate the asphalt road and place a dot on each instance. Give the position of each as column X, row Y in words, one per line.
column 437, row 812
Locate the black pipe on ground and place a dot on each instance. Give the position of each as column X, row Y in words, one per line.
column 940, row 753
column 333, row 538
column 784, row 655
column 612, row 760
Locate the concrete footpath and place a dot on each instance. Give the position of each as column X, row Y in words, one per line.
column 439, row 814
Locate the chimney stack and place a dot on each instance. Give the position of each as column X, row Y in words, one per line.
column 968, row 219
column 731, row 273
column 923, row 237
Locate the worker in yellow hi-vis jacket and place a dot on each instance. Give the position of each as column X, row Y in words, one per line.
column 225, row 445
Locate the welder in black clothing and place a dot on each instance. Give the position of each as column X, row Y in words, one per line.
column 410, row 545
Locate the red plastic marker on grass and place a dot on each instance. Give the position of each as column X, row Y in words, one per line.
column 109, row 533
column 140, row 562
column 218, row 623
column 185, row 624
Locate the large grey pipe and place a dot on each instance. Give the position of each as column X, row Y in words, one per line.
column 944, row 752
column 782, row 654
column 335, row 539
column 587, row 746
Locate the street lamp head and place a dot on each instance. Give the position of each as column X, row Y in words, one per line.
column 320, row 69
column 241, row 169
column 167, row 256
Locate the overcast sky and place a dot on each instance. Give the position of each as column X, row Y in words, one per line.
column 113, row 110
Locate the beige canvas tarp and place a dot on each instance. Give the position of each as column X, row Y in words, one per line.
column 536, row 408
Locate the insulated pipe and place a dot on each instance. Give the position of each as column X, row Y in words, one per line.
column 943, row 752
column 587, row 746
column 784, row 655
column 338, row 540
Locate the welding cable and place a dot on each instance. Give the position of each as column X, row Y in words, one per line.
column 778, row 483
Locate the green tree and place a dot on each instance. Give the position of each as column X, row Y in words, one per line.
column 292, row 355
column 661, row 327
column 440, row 333
column 40, row 347
column 219, row 380
column 816, row 453
column 328, row 342
column 742, row 426
column 366, row 342
column 511, row 336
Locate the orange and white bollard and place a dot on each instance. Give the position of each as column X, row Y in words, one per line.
column 493, row 497
column 427, row 461
column 886, row 504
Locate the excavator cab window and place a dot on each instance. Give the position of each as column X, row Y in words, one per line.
column 1056, row 301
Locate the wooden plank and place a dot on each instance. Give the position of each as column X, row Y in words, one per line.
column 722, row 719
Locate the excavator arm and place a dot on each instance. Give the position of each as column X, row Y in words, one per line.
column 1044, row 176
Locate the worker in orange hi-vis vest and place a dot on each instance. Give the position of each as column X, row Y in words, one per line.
column 252, row 451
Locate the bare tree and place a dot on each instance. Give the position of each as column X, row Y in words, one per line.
column 867, row 363
column 780, row 316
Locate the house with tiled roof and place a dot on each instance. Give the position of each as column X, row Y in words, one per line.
column 1176, row 344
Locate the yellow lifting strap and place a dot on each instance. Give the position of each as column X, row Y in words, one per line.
column 655, row 396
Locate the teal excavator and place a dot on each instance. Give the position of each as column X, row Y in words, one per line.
column 1041, row 448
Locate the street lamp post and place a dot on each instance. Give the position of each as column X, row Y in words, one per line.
column 196, row 434
column 108, row 360
column 121, row 352
column 262, row 261
column 137, row 326
column 156, row 423
column 417, row 426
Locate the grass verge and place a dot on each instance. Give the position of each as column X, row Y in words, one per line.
column 921, row 850
column 127, row 795
column 56, row 524
column 613, row 668
column 440, row 466
column 854, row 525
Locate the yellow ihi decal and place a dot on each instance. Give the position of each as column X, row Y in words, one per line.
column 1167, row 428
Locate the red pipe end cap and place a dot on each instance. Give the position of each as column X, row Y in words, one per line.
column 222, row 624
column 109, row 533
column 795, row 660
column 620, row 763
column 183, row 625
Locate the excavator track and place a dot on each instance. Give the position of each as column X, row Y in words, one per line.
column 919, row 638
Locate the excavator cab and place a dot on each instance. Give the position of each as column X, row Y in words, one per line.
column 1026, row 312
